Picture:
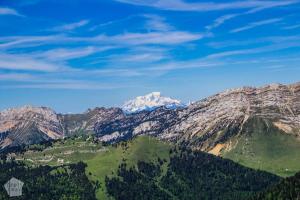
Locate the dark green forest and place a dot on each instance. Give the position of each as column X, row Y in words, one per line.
column 189, row 175
column 287, row 189
column 44, row 182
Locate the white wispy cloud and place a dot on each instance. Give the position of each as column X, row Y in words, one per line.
column 9, row 11
column 66, row 54
column 61, row 54
column 268, row 48
column 71, row 26
column 29, row 41
column 157, row 69
column 23, row 62
column 15, row 76
column 221, row 20
column 264, row 61
column 162, row 38
column 139, row 46
column 256, row 24
column 143, row 57
column 80, row 79
column 182, row 65
column 153, row 22
column 137, row 56
column 114, row 72
column 260, row 40
column 180, row 5
column 291, row 27
column 54, row 59
column 157, row 23
column 224, row 18
column 275, row 67
column 69, row 86
column 112, row 22
column 280, row 67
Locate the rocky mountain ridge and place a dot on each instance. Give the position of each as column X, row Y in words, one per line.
column 207, row 124
column 28, row 125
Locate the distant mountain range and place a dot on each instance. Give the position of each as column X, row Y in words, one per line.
column 219, row 124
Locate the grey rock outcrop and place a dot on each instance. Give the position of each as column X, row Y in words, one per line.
column 202, row 125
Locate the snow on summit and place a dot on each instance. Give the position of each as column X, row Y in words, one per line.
column 150, row 102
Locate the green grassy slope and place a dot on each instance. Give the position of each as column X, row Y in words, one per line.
column 141, row 149
column 263, row 146
column 101, row 160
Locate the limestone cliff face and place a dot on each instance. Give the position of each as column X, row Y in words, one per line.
column 27, row 125
column 204, row 125
column 217, row 118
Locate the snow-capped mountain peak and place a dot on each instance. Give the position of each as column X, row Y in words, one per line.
column 150, row 102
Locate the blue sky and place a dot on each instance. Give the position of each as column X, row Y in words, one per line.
column 71, row 55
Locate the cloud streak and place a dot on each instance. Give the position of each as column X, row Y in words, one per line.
column 69, row 86
column 71, row 26
column 26, row 63
column 291, row 27
column 29, row 41
column 15, row 77
column 62, row 54
column 264, row 49
column 161, row 38
column 9, row 11
column 221, row 20
column 180, row 5
column 261, row 40
column 256, row 24
column 155, row 37
column 157, row 23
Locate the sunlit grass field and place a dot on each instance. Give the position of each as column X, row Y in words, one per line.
column 101, row 160
column 267, row 148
